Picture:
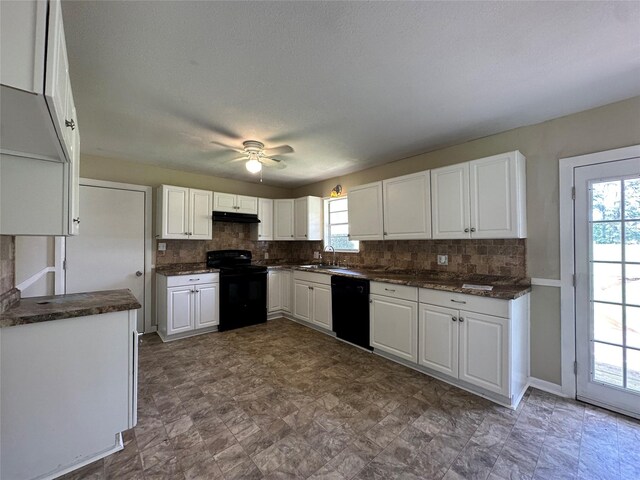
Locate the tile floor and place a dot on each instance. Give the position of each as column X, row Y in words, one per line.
column 282, row 401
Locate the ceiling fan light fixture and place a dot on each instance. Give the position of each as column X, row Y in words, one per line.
column 253, row 165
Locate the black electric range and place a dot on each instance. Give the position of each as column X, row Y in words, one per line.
column 243, row 288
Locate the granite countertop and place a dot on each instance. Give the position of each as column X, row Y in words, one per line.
column 57, row 307
column 185, row 269
column 505, row 288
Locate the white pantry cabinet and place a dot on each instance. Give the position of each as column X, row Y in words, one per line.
column 279, row 291
column 283, row 219
column 37, row 114
column 407, row 207
column 263, row 231
column 229, row 202
column 183, row 213
column 187, row 304
column 312, row 298
column 480, row 341
column 393, row 316
column 484, row 198
column 365, row 212
column 307, row 218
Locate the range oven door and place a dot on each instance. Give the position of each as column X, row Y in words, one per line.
column 243, row 299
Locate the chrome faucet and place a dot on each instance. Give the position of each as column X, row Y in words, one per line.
column 326, row 249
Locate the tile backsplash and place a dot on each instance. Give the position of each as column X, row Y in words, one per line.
column 493, row 257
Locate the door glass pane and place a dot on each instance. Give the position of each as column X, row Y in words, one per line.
column 607, row 282
column 632, row 241
column 606, row 240
column 606, row 200
column 632, row 198
column 633, row 327
column 633, row 370
column 607, row 364
column 607, row 323
column 632, row 283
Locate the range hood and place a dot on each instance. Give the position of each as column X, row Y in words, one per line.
column 235, row 217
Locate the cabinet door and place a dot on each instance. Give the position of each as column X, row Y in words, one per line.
column 206, row 305
column 300, row 225
column 394, row 326
column 200, row 222
column 265, row 215
column 274, row 291
column 322, row 306
column 365, row 212
column 224, row 202
column 180, row 309
column 494, row 194
column 246, row 204
column 302, row 301
column 484, row 351
column 450, row 201
column 438, row 343
column 285, row 285
column 283, row 219
column 174, row 210
column 407, row 207
column 74, row 184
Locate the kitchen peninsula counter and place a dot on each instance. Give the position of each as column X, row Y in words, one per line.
column 57, row 307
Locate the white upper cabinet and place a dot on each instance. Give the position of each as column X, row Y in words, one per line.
column 407, row 207
column 307, row 218
column 484, row 198
column 283, row 219
column 264, row 230
column 228, row 202
column 183, row 213
column 37, row 112
column 365, row 212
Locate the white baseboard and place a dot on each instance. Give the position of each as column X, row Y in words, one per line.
column 548, row 387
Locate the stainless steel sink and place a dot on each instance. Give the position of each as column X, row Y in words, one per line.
column 320, row 267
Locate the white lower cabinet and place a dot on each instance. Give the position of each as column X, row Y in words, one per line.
column 393, row 317
column 279, row 291
column 483, row 342
column 187, row 304
column 312, row 298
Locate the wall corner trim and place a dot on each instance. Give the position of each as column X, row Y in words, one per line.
column 548, row 387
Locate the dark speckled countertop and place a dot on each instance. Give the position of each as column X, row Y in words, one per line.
column 185, row 269
column 57, row 307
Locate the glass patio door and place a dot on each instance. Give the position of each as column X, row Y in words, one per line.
column 607, row 249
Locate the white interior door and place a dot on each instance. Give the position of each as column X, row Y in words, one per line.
column 109, row 253
column 607, row 258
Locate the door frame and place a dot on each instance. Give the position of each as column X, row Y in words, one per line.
column 567, row 256
column 60, row 245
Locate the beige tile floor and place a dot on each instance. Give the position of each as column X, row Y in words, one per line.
column 282, row 401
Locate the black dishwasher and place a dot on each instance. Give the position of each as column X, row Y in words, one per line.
column 350, row 309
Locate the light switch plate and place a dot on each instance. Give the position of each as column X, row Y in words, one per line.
column 162, row 246
column 443, row 259
column 266, row 255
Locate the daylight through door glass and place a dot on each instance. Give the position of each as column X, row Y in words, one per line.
column 614, row 230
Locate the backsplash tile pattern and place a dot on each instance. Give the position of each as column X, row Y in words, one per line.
column 492, row 257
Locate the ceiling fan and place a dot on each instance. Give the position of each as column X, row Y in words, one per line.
column 256, row 156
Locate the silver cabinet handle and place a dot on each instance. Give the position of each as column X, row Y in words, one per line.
column 473, row 229
column 194, row 279
column 466, row 230
column 461, row 319
column 458, row 301
column 138, row 273
column 454, row 319
column 390, row 289
column 70, row 123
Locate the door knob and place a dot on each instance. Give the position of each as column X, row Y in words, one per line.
column 138, row 273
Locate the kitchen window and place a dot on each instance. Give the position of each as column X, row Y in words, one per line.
column 336, row 226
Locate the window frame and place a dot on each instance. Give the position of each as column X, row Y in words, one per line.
column 327, row 226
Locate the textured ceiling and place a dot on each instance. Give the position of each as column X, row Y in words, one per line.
column 347, row 84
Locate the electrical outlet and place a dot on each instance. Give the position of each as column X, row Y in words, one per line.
column 266, row 255
column 162, row 247
column 443, row 259
column 316, row 255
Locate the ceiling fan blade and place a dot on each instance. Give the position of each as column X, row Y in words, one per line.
column 239, row 159
column 235, row 149
column 281, row 150
column 272, row 162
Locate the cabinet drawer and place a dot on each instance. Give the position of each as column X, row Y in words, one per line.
column 178, row 280
column 395, row 291
column 322, row 278
column 461, row 301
